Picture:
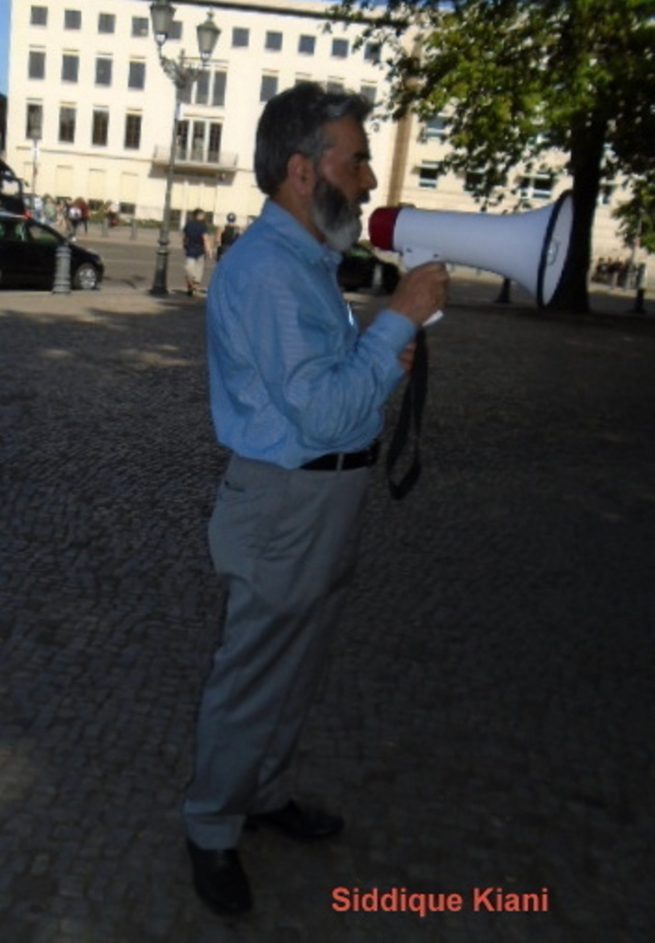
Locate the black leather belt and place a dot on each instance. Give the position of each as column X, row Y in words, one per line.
column 346, row 461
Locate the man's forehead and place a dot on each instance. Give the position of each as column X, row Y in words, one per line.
column 347, row 132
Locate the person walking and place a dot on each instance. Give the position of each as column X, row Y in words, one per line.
column 195, row 239
column 228, row 236
column 297, row 394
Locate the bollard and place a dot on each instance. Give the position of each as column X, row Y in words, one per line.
column 105, row 227
column 639, row 297
column 62, row 285
column 133, row 229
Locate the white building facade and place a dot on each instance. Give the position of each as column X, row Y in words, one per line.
column 90, row 110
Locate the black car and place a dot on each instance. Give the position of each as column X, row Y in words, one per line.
column 361, row 268
column 28, row 252
column 11, row 190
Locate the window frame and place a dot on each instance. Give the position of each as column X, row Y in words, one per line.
column 70, row 15
column 137, row 117
column 108, row 60
column 70, row 57
column 132, row 63
column 30, row 61
column 35, row 11
column 109, row 17
column 72, row 110
column 97, row 112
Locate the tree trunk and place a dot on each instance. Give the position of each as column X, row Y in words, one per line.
column 587, row 143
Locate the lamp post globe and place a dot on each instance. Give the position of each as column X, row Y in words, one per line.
column 162, row 14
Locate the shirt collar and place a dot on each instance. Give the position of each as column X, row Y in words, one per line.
column 293, row 231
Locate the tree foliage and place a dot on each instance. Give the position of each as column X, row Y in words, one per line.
column 517, row 79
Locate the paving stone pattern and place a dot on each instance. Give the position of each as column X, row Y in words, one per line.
column 486, row 717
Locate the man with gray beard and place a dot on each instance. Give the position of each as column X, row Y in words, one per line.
column 297, row 395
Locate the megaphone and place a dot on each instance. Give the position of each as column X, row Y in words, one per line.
column 530, row 248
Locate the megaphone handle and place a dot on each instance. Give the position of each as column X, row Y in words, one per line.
column 412, row 257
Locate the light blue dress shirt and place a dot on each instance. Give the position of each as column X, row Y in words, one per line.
column 291, row 376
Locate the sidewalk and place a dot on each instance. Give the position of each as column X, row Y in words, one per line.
column 486, row 716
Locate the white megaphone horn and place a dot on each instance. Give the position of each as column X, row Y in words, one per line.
column 530, row 248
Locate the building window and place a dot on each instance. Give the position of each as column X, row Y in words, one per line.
column 218, row 93
column 307, row 45
column 473, row 180
column 132, row 132
column 106, row 23
column 36, row 64
column 428, row 175
column 205, row 135
column 182, row 140
column 340, row 48
column 137, row 75
column 214, row 146
column 369, row 92
column 139, row 26
column 72, row 19
column 202, row 89
column 67, row 124
column 70, row 65
column 273, row 41
column 240, row 37
column 176, row 30
column 372, row 52
column 39, row 16
column 334, row 86
column 198, row 141
column 34, row 122
column 538, row 187
column 268, row 87
column 435, row 129
column 103, row 70
column 100, row 128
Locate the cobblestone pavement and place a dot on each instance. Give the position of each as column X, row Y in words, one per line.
column 486, row 718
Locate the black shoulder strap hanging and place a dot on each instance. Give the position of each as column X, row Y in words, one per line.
column 410, row 415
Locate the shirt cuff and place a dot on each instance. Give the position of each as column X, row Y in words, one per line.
column 394, row 329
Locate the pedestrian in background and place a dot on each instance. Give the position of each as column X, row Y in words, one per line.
column 228, row 236
column 195, row 239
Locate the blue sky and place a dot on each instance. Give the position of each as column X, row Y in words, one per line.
column 4, row 44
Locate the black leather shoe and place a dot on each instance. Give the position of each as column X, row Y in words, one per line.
column 297, row 821
column 219, row 879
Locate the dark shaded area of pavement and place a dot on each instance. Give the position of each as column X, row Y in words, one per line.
column 487, row 716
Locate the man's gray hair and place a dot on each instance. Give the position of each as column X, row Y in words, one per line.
column 293, row 122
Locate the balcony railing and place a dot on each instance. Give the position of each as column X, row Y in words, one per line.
column 200, row 160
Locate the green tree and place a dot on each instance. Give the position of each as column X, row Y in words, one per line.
column 520, row 78
column 637, row 216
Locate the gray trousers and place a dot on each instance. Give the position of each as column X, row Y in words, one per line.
column 285, row 542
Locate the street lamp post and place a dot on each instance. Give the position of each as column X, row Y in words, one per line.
column 183, row 75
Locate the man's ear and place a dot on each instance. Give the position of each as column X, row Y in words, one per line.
column 301, row 174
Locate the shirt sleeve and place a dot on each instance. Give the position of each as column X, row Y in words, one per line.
column 328, row 380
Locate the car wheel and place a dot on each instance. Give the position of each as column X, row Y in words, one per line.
column 85, row 277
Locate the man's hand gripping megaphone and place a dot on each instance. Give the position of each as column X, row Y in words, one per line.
column 421, row 293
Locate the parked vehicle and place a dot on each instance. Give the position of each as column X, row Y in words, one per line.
column 361, row 268
column 28, row 253
column 11, row 190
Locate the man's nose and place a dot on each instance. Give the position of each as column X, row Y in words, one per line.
column 370, row 180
